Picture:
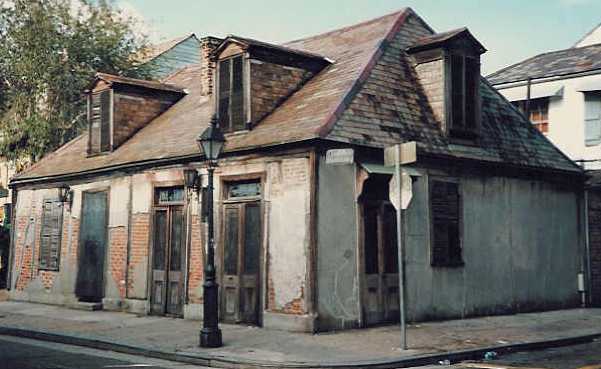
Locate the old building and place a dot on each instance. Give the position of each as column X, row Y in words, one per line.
column 306, row 238
column 562, row 92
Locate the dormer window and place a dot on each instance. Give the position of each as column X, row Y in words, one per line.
column 448, row 66
column 464, row 103
column 118, row 107
column 231, row 94
column 99, row 113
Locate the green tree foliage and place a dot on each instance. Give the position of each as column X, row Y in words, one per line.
column 49, row 53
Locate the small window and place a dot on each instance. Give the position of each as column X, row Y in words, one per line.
column 592, row 119
column 99, row 116
column 445, row 211
column 244, row 189
column 231, row 94
column 169, row 195
column 50, row 236
column 539, row 113
column 464, row 109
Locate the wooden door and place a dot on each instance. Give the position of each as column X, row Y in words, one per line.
column 240, row 296
column 167, row 261
column 380, row 263
column 92, row 247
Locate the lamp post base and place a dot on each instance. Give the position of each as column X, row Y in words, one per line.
column 210, row 337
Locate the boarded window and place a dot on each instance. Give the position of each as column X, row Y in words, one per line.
column 50, row 237
column 539, row 112
column 231, row 94
column 592, row 119
column 464, row 90
column 100, row 121
column 445, row 210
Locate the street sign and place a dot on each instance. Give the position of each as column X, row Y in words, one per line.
column 407, row 153
column 406, row 191
column 340, row 156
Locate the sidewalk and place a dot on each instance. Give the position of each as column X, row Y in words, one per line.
column 177, row 339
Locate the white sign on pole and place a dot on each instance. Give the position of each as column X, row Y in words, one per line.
column 407, row 153
column 340, row 156
column 406, row 191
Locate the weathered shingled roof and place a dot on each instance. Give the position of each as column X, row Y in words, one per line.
column 368, row 96
column 554, row 63
column 153, row 85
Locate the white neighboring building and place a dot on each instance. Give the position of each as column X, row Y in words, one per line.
column 565, row 96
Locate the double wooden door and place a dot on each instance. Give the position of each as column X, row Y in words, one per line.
column 168, row 261
column 380, row 263
column 240, row 286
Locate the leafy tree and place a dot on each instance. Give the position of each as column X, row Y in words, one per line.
column 49, row 53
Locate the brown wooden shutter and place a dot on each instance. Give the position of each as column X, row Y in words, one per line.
column 51, row 232
column 105, row 120
column 472, row 83
column 224, row 94
column 445, row 214
column 95, row 122
column 237, row 99
column 457, row 91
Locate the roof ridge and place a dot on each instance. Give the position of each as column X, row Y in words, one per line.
column 333, row 117
column 350, row 27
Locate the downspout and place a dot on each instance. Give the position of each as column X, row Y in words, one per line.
column 128, row 254
column 11, row 247
column 527, row 105
column 586, row 298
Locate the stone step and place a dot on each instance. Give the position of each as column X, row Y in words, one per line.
column 88, row 306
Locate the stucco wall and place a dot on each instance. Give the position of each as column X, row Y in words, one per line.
column 337, row 279
column 520, row 244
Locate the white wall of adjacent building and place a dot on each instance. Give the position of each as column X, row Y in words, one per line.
column 570, row 112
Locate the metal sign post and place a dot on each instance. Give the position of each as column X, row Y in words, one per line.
column 398, row 155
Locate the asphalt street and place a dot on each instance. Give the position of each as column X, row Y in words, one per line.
column 585, row 356
column 20, row 353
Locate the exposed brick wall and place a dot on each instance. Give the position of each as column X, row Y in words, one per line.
column 118, row 256
column 207, row 67
column 140, row 237
column 270, row 84
column 196, row 261
column 594, row 219
column 133, row 110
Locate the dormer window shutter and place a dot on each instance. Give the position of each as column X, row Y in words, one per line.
column 231, row 94
column 224, row 94
column 464, row 99
column 100, row 121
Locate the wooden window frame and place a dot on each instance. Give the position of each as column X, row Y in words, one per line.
column 230, row 127
column 449, row 263
column 590, row 98
column 460, row 129
column 46, row 266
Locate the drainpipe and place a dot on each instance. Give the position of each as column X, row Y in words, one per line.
column 527, row 105
column 586, row 297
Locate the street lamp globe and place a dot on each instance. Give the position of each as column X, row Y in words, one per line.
column 211, row 140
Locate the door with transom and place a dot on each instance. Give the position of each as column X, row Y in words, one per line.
column 241, row 257
column 168, row 252
column 380, row 295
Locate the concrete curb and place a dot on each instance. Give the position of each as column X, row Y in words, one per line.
column 222, row 362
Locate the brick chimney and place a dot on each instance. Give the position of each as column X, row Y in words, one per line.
column 207, row 46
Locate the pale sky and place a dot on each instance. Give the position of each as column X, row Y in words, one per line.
column 511, row 30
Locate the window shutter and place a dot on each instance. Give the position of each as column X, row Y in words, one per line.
column 472, row 81
column 445, row 210
column 95, row 122
column 237, row 100
column 457, row 91
column 50, row 240
column 224, row 94
column 105, row 120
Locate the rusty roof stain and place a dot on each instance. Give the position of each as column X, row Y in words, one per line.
column 369, row 96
